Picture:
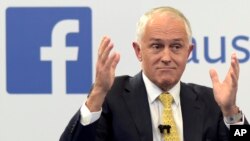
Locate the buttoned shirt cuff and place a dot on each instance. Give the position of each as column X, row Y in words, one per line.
column 88, row 117
column 237, row 123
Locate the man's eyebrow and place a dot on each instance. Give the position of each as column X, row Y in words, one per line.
column 160, row 40
column 178, row 40
column 155, row 39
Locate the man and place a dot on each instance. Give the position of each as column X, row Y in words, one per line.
column 130, row 108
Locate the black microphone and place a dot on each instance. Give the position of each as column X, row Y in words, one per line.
column 164, row 127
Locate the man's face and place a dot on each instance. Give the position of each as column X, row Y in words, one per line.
column 163, row 50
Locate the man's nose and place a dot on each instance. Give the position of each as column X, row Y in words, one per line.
column 166, row 55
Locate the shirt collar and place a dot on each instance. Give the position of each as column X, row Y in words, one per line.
column 154, row 91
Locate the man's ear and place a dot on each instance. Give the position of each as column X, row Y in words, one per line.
column 190, row 48
column 137, row 50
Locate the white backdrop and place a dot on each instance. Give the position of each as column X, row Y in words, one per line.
column 44, row 117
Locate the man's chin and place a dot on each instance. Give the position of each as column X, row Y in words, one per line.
column 167, row 84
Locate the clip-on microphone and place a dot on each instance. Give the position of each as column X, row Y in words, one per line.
column 164, row 127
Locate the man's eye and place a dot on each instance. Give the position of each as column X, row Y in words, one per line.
column 176, row 46
column 156, row 46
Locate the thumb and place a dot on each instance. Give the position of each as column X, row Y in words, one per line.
column 214, row 76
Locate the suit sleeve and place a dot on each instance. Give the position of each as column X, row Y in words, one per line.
column 100, row 130
column 75, row 131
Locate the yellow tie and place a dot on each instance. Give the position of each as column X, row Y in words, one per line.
column 168, row 119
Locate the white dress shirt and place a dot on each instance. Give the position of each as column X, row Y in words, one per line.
column 156, row 107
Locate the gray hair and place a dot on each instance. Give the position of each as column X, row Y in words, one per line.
column 159, row 10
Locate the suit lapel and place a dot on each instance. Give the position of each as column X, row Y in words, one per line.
column 137, row 103
column 191, row 113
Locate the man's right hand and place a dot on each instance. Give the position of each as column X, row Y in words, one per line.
column 105, row 74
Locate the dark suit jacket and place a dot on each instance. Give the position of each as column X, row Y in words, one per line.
column 126, row 115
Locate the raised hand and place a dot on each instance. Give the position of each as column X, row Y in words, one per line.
column 105, row 74
column 225, row 92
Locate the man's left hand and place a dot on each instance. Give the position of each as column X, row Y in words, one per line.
column 225, row 92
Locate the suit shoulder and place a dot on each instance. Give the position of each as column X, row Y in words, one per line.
column 200, row 90
column 120, row 80
column 119, row 83
column 204, row 94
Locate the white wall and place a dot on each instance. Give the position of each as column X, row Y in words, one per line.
column 44, row 117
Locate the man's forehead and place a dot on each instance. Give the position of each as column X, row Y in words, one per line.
column 165, row 15
column 163, row 40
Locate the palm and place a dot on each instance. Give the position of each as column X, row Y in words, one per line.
column 225, row 93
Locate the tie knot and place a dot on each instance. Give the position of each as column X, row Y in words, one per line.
column 166, row 99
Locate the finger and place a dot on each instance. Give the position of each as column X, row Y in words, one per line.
column 104, row 43
column 234, row 80
column 233, row 72
column 214, row 77
column 106, row 52
column 235, row 67
column 113, row 60
column 101, row 44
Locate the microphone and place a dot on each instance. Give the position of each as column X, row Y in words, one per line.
column 162, row 128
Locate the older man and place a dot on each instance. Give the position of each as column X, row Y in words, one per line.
column 155, row 105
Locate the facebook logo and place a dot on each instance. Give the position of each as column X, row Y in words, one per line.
column 49, row 50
